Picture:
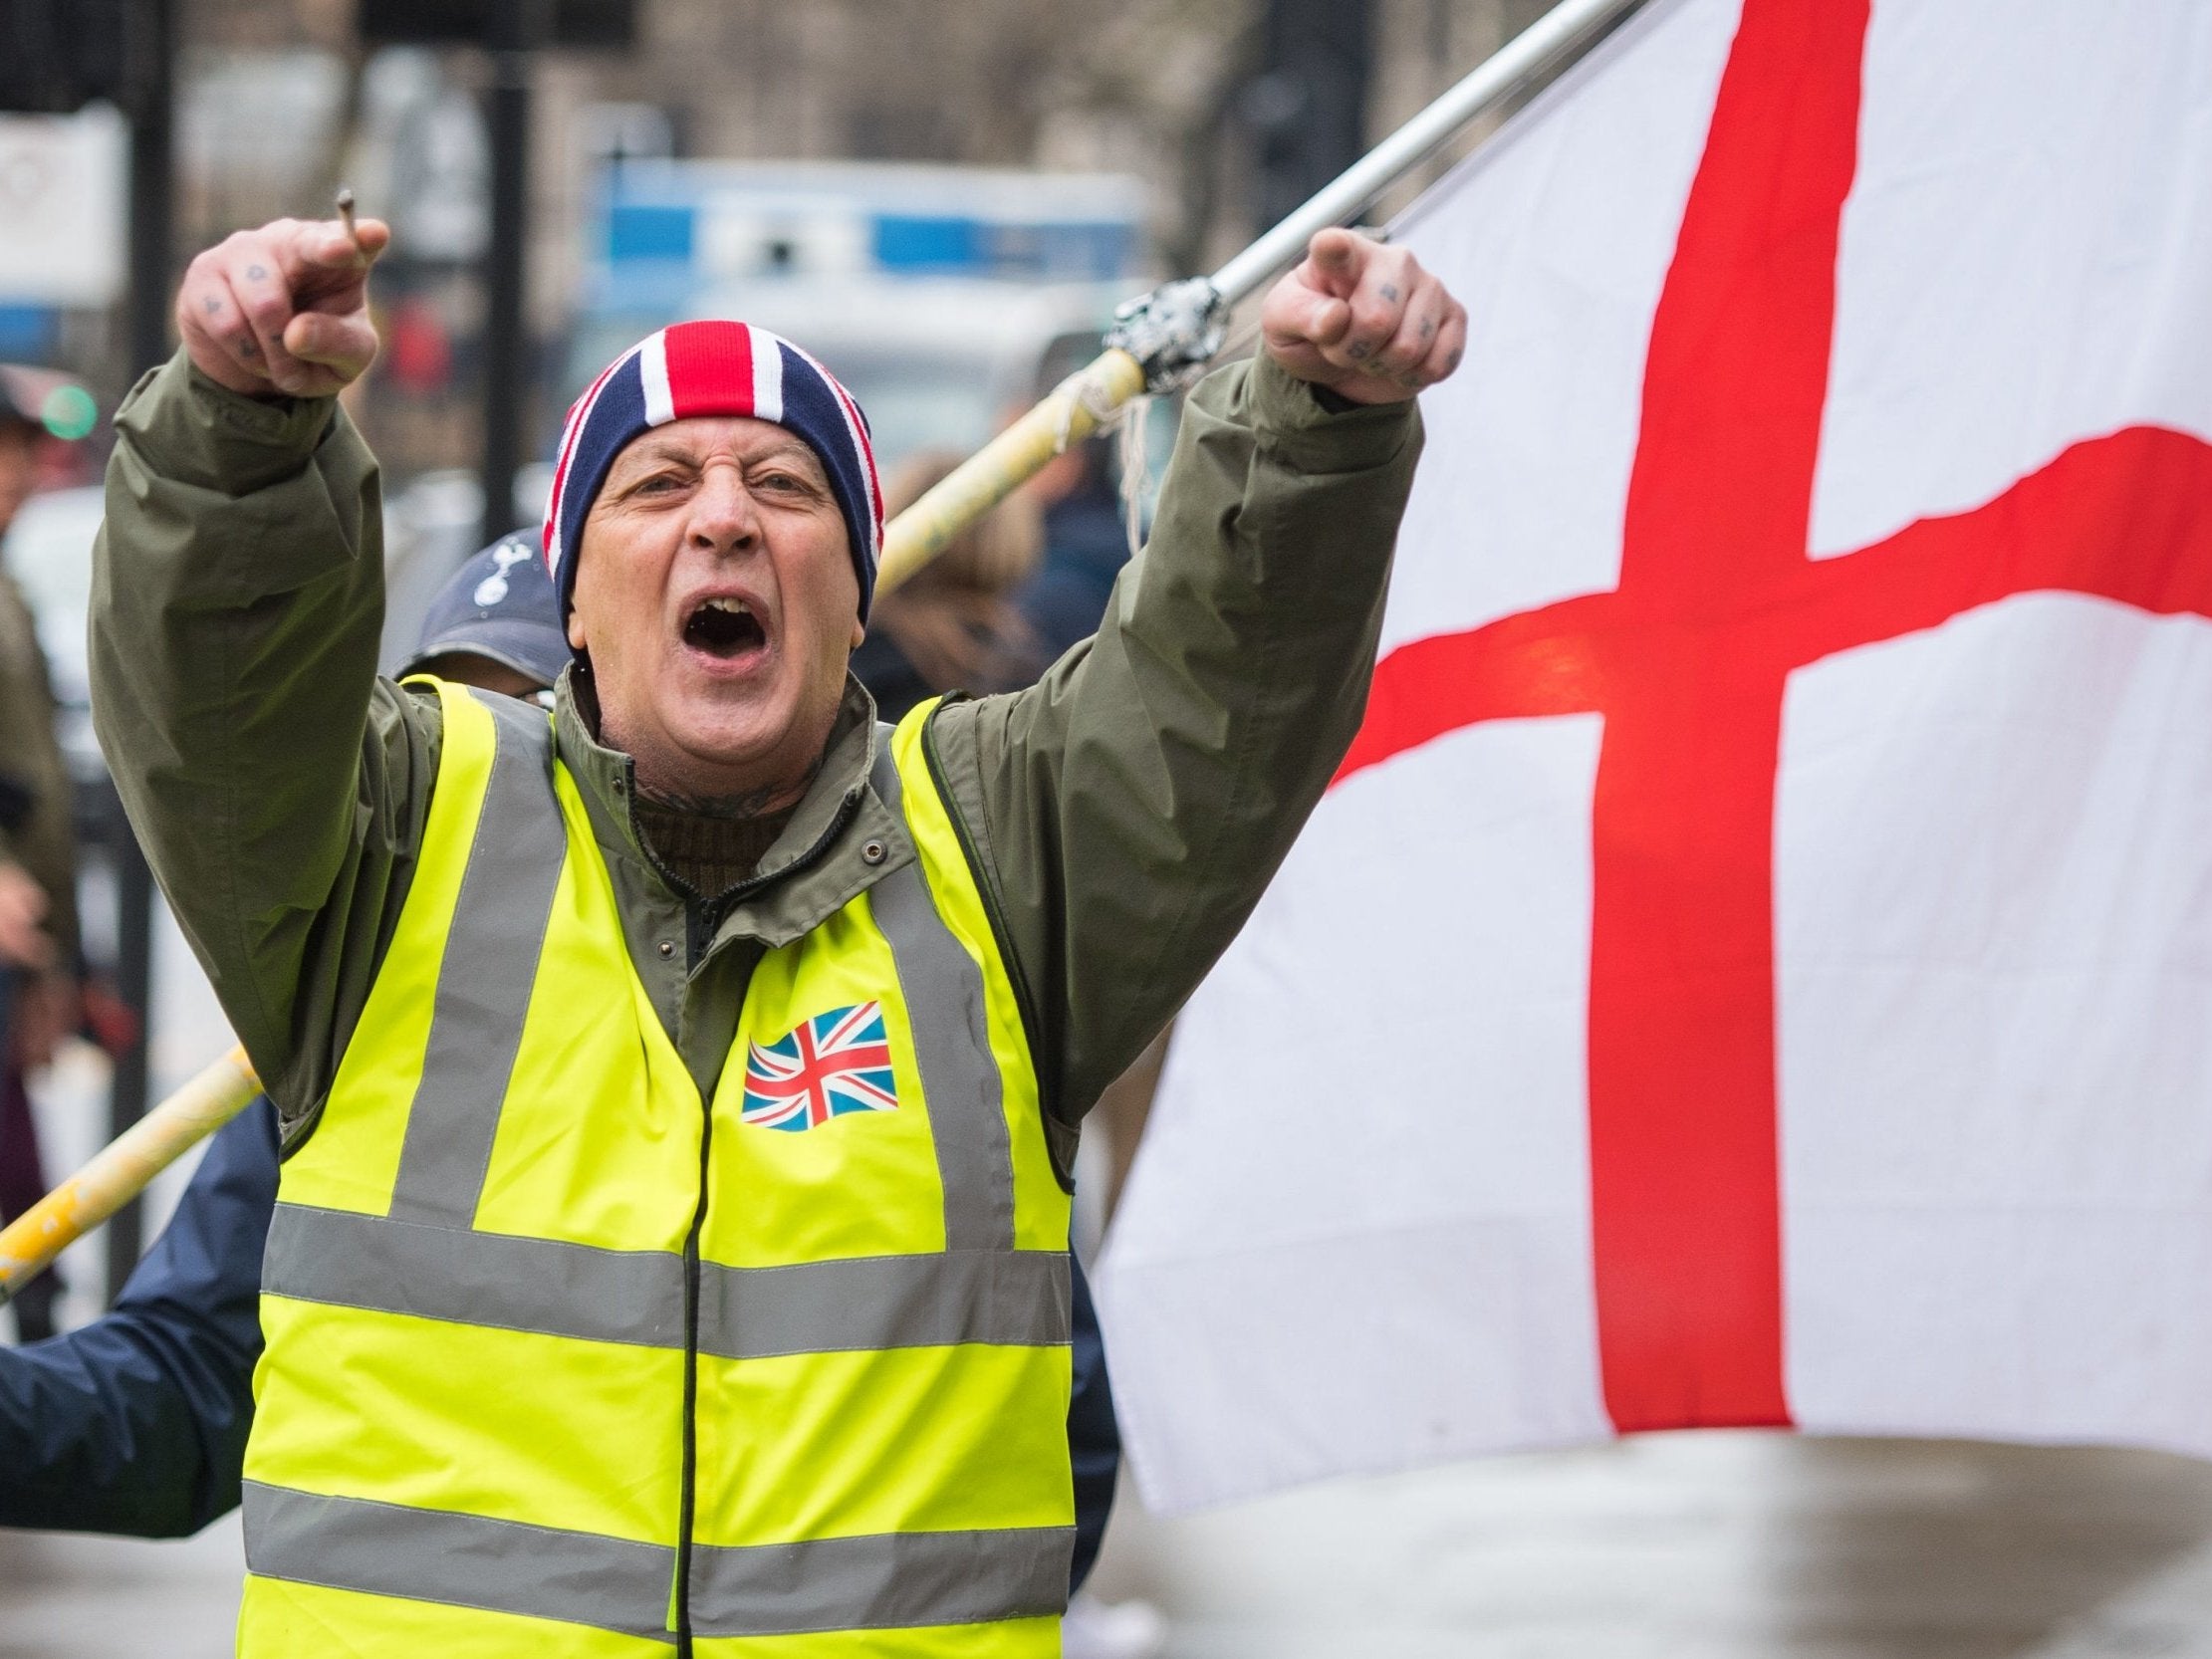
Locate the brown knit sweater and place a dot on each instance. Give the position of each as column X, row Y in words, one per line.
column 710, row 856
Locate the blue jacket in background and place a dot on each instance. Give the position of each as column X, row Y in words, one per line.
column 138, row 1423
column 1085, row 546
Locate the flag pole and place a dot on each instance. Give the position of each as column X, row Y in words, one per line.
column 120, row 1171
column 1159, row 341
column 1531, row 53
column 1162, row 341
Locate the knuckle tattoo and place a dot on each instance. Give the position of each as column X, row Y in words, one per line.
column 1390, row 290
column 257, row 273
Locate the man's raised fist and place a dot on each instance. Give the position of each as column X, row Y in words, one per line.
column 283, row 308
column 1364, row 319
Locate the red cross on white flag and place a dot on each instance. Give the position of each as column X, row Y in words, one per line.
column 1755, row 967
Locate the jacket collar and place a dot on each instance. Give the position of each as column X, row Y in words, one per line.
column 822, row 858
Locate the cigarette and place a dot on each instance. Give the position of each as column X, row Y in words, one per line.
column 345, row 215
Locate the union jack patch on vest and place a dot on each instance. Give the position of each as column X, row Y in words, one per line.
column 833, row 1063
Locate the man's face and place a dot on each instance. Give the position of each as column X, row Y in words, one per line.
column 715, row 594
column 19, row 469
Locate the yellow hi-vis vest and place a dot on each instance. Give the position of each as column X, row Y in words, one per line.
column 564, row 1363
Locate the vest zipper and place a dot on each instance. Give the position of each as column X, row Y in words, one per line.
column 702, row 921
column 687, row 1512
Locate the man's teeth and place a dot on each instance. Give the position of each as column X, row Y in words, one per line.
column 736, row 608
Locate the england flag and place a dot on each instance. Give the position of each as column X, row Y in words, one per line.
column 1755, row 967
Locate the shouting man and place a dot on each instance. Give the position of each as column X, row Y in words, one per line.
column 680, row 1092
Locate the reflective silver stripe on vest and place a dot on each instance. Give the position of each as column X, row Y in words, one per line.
column 1019, row 1298
column 636, row 1297
column 943, row 990
column 881, row 1581
column 885, row 1581
column 465, row 1561
column 487, row 975
column 486, row 1279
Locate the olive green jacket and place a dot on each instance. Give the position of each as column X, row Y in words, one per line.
column 1122, row 815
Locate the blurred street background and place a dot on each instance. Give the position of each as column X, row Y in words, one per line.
column 946, row 202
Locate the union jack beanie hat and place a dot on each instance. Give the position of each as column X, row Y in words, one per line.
column 713, row 369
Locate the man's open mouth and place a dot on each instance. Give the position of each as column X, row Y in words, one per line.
column 725, row 628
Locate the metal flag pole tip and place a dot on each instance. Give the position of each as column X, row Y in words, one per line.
column 1534, row 51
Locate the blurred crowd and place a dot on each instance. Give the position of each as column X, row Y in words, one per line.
column 41, row 970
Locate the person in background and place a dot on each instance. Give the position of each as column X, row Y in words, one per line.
column 137, row 1423
column 952, row 625
column 494, row 624
column 1086, row 532
column 38, row 861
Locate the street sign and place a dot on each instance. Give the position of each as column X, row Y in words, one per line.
column 61, row 197
column 667, row 229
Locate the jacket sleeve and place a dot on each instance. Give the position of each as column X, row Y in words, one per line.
column 1127, row 810
column 277, row 784
column 138, row 1422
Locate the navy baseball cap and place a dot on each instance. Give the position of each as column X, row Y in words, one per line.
column 500, row 606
